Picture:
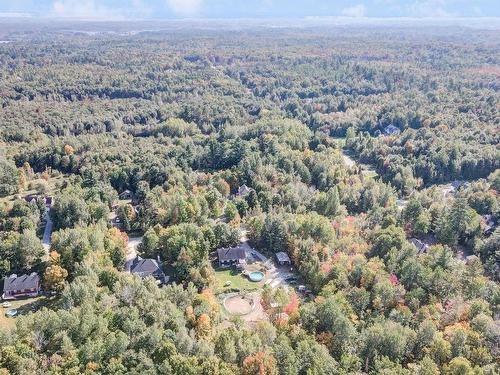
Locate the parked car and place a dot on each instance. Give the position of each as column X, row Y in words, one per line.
column 11, row 313
column 6, row 304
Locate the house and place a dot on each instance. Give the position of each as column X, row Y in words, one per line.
column 231, row 256
column 21, row 286
column 243, row 191
column 490, row 224
column 127, row 194
column 30, row 198
column 283, row 258
column 145, row 268
column 391, row 129
column 49, row 201
column 471, row 259
column 457, row 184
column 419, row 245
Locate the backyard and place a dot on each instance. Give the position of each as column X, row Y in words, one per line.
column 50, row 186
column 23, row 306
column 235, row 279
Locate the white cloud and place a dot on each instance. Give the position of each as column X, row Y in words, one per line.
column 95, row 9
column 88, row 9
column 184, row 7
column 354, row 11
column 429, row 8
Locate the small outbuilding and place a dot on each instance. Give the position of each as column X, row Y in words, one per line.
column 283, row 259
column 145, row 268
column 231, row 256
column 21, row 286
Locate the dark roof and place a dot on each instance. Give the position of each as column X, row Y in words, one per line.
column 14, row 282
column 231, row 253
column 282, row 257
column 126, row 192
column 49, row 200
column 30, row 197
column 144, row 267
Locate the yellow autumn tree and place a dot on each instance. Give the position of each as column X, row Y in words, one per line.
column 54, row 258
column 23, row 181
column 54, row 278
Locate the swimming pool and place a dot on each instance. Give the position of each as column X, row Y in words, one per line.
column 255, row 276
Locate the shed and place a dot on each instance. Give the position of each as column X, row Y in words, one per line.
column 283, row 258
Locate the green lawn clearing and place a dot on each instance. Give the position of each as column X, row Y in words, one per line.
column 23, row 306
column 236, row 278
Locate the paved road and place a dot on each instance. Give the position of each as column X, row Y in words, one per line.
column 47, row 232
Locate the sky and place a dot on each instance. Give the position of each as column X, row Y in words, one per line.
column 171, row 9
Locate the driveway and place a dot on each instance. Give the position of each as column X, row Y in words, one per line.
column 47, row 233
column 133, row 242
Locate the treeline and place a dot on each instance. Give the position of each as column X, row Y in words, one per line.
column 185, row 123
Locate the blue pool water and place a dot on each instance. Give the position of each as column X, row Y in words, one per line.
column 256, row 276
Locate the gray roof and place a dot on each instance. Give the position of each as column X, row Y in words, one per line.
column 282, row 257
column 14, row 282
column 420, row 246
column 244, row 190
column 126, row 192
column 231, row 253
column 391, row 129
column 457, row 183
column 144, row 267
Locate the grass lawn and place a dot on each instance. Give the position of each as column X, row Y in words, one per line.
column 237, row 279
column 23, row 306
column 53, row 184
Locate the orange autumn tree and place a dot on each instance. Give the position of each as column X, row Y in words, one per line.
column 261, row 363
column 207, row 297
column 203, row 326
column 68, row 150
column 293, row 306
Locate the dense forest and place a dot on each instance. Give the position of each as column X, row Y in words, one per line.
column 369, row 156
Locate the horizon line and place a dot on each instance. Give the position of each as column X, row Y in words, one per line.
column 32, row 16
